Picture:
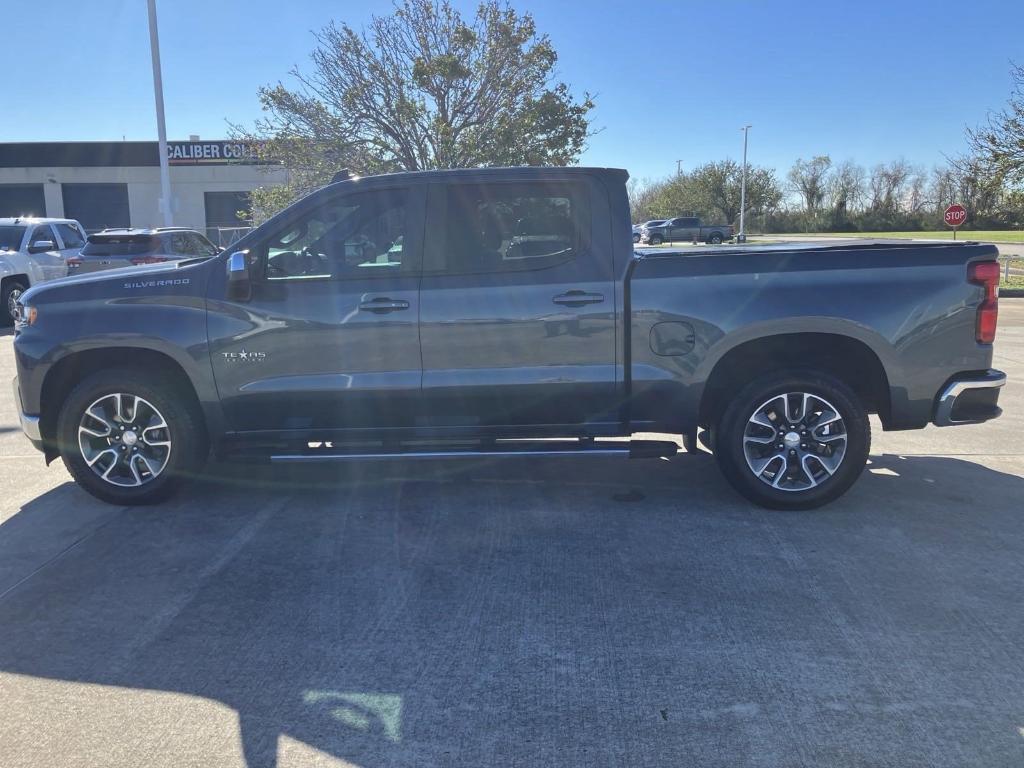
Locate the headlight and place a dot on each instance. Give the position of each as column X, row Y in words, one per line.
column 25, row 316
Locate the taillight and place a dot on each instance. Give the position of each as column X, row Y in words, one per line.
column 986, row 274
column 139, row 260
column 74, row 262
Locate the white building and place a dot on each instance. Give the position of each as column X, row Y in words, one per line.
column 117, row 183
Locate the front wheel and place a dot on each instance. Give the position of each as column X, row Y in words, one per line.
column 128, row 438
column 655, row 240
column 794, row 440
column 11, row 295
column 636, row 238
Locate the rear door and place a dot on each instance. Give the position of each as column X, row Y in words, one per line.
column 689, row 228
column 517, row 318
column 72, row 239
column 329, row 339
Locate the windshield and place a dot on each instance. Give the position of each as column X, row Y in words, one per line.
column 10, row 238
column 132, row 245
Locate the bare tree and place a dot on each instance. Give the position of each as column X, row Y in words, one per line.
column 808, row 179
column 887, row 185
column 998, row 145
column 845, row 189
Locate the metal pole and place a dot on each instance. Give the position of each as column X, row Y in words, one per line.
column 158, row 94
column 679, row 167
column 742, row 237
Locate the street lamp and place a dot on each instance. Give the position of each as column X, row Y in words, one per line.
column 742, row 236
column 679, row 167
column 158, row 94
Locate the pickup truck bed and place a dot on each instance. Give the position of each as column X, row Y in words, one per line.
column 907, row 304
column 450, row 312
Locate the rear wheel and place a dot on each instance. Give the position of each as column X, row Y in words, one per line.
column 128, row 438
column 12, row 291
column 715, row 238
column 794, row 440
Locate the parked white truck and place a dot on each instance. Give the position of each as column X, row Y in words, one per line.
column 33, row 251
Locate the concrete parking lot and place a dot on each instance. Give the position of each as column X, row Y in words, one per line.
column 522, row 612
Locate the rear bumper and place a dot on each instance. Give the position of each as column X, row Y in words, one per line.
column 29, row 424
column 969, row 398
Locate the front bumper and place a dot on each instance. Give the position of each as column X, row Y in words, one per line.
column 969, row 399
column 29, row 424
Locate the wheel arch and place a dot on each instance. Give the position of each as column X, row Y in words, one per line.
column 850, row 359
column 73, row 368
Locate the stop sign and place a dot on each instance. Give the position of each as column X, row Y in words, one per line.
column 955, row 215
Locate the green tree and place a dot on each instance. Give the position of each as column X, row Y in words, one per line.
column 711, row 190
column 418, row 89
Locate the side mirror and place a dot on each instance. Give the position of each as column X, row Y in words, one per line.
column 41, row 246
column 239, row 276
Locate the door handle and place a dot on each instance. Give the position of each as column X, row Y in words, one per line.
column 382, row 304
column 578, row 298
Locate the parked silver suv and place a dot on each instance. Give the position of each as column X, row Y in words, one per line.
column 114, row 248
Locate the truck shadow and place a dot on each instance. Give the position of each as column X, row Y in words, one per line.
column 475, row 614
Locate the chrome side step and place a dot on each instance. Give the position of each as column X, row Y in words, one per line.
column 634, row 449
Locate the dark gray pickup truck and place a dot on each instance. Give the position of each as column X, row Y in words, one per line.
column 503, row 312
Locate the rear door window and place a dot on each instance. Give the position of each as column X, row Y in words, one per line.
column 201, row 245
column 70, row 235
column 490, row 228
column 182, row 244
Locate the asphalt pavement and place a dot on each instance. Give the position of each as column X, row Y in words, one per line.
column 569, row 612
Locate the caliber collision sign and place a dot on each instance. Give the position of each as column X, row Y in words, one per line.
column 209, row 152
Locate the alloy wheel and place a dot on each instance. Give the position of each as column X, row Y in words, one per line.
column 795, row 441
column 13, row 297
column 124, row 440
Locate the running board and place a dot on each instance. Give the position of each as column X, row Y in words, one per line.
column 633, row 449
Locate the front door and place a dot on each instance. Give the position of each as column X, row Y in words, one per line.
column 517, row 307
column 50, row 262
column 329, row 339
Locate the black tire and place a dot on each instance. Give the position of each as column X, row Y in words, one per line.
column 715, row 238
column 185, row 455
column 731, row 438
column 11, row 291
column 655, row 240
column 636, row 238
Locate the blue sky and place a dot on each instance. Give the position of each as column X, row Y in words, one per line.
column 869, row 80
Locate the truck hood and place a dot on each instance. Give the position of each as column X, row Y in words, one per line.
column 123, row 275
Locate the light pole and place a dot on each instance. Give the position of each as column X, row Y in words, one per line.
column 158, row 94
column 742, row 236
column 679, row 167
